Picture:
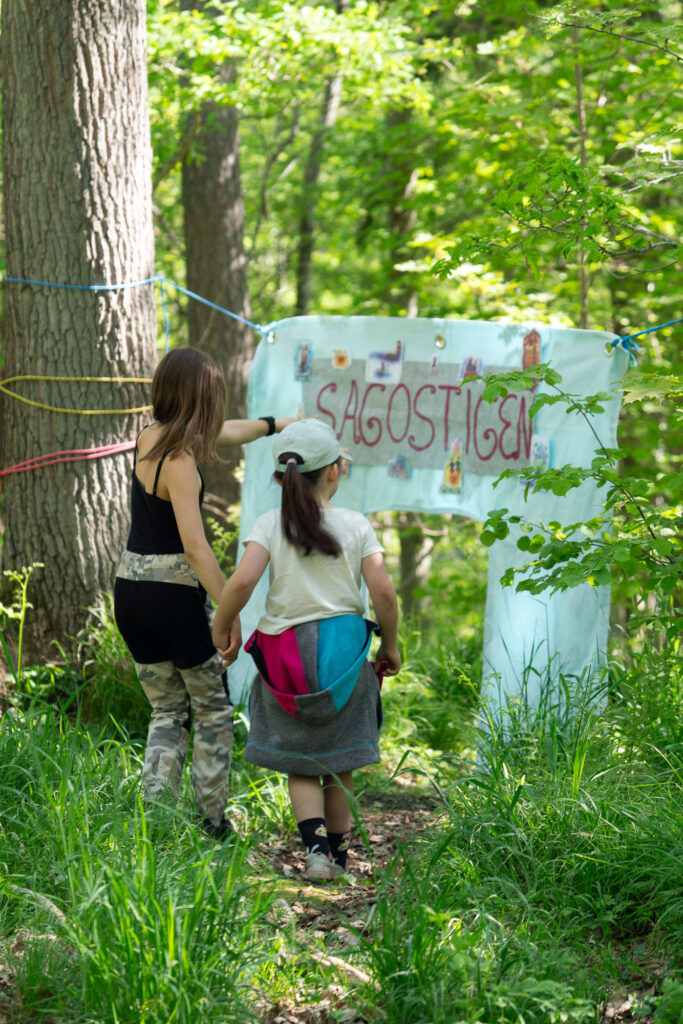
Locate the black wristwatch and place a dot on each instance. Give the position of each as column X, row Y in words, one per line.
column 270, row 420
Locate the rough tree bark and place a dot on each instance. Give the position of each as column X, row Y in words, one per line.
column 77, row 190
column 216, row 263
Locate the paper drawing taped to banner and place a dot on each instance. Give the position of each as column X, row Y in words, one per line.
column 531, row 352
column 400, row 468
column 341, row 359
column 303, row 361
column 452, row 474
column 540, row 458
column 385, row 366
column 469, row 368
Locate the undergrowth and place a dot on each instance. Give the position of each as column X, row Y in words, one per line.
column 549, row 879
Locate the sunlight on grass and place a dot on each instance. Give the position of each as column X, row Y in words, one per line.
column 517, row 869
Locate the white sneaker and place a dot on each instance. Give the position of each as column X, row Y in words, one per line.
column 319, row 867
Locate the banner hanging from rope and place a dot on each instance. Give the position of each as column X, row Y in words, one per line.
column 400, row 395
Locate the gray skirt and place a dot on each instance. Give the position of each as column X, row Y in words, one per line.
column 347, row 740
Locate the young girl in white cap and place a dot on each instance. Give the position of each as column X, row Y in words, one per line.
column 315, row 707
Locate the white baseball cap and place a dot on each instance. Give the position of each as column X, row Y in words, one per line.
column 313, row 441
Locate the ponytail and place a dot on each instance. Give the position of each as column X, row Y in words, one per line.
column 301, row 518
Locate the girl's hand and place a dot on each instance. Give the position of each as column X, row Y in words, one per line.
column 234, row 642
column 389, row 659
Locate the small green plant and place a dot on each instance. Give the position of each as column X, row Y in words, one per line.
column 16, row 612
column 670, row 1008
column 223, row 541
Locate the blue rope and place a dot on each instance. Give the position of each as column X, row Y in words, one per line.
column 220, row 309
column 624, row 342
column 84, row 287
column 167, row 329
column 137, row 284
column 629, row 346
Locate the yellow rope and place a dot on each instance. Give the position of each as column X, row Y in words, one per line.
column 77, row 412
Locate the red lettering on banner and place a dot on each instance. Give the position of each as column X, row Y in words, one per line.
column 322, row 409
column 468, row 433
column 397, row 440
column 486, row 435
column 508, row 424
column 353, row 395
column 411, row 439
column 373, row 420
column 447, row 388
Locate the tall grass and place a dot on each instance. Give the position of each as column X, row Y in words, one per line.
column 554, row 853
column 565, row 842
column 131, row 916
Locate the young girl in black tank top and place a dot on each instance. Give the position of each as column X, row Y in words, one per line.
column 165, row 575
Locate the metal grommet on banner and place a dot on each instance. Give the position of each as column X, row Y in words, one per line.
column 440, row 341
column 271, row 337
column 609, row 348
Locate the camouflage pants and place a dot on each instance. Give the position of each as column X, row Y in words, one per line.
column 177, row 696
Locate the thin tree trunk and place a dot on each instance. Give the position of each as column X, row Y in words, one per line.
column 77, row 173
column 414, row 561
column 583, row 160
column 216, row 263
column 312, row 170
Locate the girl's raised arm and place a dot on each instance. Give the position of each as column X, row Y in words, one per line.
column 238, row 590
column 242, row 431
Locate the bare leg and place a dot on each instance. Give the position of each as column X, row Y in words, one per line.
column 306, row 795
column 337, row 811
column 308, row 804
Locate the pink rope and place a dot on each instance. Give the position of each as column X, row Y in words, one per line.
column 68, row 455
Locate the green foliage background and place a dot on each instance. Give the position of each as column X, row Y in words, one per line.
column 517, row 161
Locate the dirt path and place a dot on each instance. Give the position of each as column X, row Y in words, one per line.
column 328, row 920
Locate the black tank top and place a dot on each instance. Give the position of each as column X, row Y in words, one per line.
column 153, row 528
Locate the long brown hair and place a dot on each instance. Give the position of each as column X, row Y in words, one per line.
column 188, row 400
column 301, row 516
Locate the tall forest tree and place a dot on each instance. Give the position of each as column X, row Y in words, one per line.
column 216, row 264
column 77, row 200
column 312, row 169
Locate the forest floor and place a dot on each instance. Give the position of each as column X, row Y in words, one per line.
column 327, row 921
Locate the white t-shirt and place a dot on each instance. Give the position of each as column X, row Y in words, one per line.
column 314, row 586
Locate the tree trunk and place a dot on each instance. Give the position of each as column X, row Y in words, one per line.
column 401, row 173
column 328, row 116
column 77, row 189
column 216, row 264
column 583, row 160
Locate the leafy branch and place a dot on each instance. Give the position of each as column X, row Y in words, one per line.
column 636, row 535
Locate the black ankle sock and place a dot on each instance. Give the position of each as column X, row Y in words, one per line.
column 339, row 846
column 314, row 835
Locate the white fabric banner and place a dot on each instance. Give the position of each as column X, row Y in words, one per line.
column 422, row 439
